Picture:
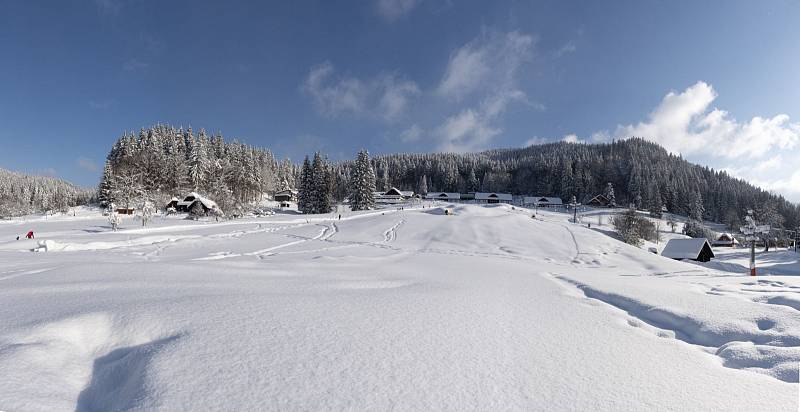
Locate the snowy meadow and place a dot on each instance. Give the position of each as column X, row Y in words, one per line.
column 483, row 308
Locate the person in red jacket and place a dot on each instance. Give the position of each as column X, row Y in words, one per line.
column 29, row 235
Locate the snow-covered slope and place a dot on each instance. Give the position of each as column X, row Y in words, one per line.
column 483, row 309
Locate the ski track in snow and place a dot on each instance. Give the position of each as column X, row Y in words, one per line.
column 17, row 273
column 391, row 234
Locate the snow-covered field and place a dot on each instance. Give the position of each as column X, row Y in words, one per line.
column 487, row 309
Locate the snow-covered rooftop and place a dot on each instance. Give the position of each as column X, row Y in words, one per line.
column 443, row 195
column 492, row 195
column 684, row 248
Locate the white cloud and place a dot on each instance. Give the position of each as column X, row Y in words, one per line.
column 489, row 62
column 394, row 9
column 108, row 6
column 466, row 131
column 101, row 104
column 412, row 134
column 572, row 138
column 395, row 96
column 567, row 48
column 87, row 164
column 135, row 65
column 385, row 96
column 485, row 70
column 683, row 123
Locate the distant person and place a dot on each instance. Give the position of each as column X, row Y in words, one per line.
column 340, row 216
column 17, row 237
column 29, row 235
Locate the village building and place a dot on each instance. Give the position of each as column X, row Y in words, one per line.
column 542, row 201
column 191, row 201
column 481, row 197
column 285, row 196
column 444, row 196
column 692, row 249
column 393, row 196
column 124, row 210
column 599, row 201
column 725, row 240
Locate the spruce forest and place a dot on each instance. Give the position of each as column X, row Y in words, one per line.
column 163, row 161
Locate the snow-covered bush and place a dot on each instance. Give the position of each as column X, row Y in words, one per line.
column 695, row 229
column 632, row 228
column 146, row 212
column 114, row 220
column 197, row 210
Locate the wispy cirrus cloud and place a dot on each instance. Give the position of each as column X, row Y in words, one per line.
column 135, row 65
column 87, row 164
column 385, row 96
column 108, row 7
column 394, row 9
column 485, row 70
column 412, row 134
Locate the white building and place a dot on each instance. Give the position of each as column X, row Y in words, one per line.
column 542, row 201
column 393, row 196
column 481, row 197
column 444, row 196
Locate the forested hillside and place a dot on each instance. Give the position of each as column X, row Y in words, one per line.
column 163, row 161
column 641, row 172
column 22, row 194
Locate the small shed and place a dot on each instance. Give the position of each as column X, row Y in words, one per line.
column 692, row 249
column 725, row 240
column 445, row 196
column 493, row 197
column 125, row 210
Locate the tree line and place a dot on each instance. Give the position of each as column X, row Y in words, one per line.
column 163, row 161
column 22, row 194
column 642, row 174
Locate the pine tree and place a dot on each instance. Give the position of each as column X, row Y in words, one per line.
column 305, row 191
column 384, row 181
column 609, row 194
column 471, row 182
column 321, row 195
column 423, row 185
column 362, row 183
column 108, row 185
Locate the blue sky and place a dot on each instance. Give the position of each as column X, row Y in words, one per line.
column 715, row 81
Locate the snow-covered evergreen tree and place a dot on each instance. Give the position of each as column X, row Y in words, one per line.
column 362, row 183
column 423, row 185
column 609, row 194
column 320, row 189
column 305, row 194
column 108, row 185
